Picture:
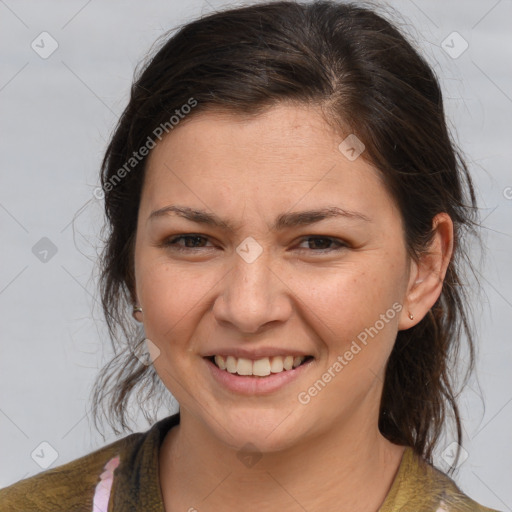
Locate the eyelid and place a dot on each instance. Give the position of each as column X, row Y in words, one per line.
column 340, row 243
column 170, row 242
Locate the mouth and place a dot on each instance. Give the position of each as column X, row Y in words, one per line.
column 259, row 368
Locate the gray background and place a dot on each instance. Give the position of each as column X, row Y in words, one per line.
column 56, row 117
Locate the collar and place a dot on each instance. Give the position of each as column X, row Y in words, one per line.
column 136, row 484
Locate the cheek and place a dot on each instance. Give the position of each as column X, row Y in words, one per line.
column 171, row 300
column 360, row 308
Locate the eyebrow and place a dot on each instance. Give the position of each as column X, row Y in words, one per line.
column 284, row 220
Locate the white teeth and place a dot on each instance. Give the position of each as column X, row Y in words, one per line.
column 231, row 364
column 288, row 362
column 219, row 361
column 297, row 360
column 244, row 366
column 260, row 367
column 276, row 366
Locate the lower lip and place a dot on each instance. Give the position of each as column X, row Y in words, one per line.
column 250, row 385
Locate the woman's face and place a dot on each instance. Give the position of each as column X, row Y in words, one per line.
column 255, row 276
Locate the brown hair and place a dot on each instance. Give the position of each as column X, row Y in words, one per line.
column 369, row 81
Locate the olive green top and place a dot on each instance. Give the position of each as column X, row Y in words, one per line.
column 417, row 487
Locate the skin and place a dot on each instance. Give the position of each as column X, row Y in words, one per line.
column 300, row 293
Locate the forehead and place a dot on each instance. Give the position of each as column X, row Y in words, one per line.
column 284, row 130
column 289, row 151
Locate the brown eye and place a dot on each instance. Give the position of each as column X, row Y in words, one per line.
column 190, row 242
column 322, row 243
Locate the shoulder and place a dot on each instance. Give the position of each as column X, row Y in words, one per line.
column 421, row 486
column 447, row 494
column 69, row 487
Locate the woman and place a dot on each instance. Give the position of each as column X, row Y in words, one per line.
column 286, row 214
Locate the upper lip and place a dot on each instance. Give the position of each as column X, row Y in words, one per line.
column 255, row 354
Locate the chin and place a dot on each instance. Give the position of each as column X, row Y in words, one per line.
column 268, row 429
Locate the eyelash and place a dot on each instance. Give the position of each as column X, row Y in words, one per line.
column 171, row 243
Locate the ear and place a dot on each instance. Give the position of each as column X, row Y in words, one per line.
column 427, row 275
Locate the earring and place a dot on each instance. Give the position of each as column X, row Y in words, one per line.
column 136, row 309
column 411, row 316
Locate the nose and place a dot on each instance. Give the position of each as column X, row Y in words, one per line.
column 253, row 296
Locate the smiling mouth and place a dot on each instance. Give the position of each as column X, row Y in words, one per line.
column 260, row 367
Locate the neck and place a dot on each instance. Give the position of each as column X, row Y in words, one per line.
column 329, row 471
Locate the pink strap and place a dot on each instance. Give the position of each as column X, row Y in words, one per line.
column 102, row 492
column 442, row 507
